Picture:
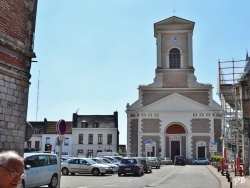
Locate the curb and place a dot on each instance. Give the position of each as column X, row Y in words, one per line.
column 220, row 184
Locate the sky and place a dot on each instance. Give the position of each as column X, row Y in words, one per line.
column 93, row 54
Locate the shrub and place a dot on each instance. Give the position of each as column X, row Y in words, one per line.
column 216, row 158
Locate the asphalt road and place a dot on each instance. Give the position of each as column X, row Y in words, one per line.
column 189, row 176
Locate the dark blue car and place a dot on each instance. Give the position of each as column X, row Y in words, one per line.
column 130, row 166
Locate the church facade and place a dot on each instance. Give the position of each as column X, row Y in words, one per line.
column 174, row 115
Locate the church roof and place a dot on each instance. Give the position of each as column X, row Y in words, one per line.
column 173, row 23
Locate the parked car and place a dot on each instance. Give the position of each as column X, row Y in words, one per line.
column 101, row 161
column 147, row 165
column 155, row 162
column 130, row 165
column 201, row 161
column 118, row 158
column 179, row 160
column 166, row 161
column 84, row 166
column 40, row 169
column 102, row 154
column 112, row 161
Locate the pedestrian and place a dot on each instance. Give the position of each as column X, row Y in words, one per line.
column 11, row 169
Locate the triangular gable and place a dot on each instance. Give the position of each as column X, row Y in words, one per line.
column 177, row 22
column 174, row 20
column 176, row 103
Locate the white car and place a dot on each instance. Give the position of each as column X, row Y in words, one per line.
column 40, row 169
column 84, row 166
column 101, row 161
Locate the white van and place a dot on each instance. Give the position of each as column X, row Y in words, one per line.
column 102, row 154
column 40, row 169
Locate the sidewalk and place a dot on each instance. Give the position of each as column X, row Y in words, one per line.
column 237, row 182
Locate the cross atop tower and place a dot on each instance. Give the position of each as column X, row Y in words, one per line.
column 174, row 12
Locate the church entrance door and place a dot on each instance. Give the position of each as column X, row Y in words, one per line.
column 175, row 149
column 201, row 152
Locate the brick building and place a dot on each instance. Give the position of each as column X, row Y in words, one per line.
column 175, row 114
column 17, row 27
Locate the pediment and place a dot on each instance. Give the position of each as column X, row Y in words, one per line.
column 174, row 20
column 175, row 103
column 173, row 23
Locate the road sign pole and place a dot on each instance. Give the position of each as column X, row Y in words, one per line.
column 59, row 162
column 61, row 129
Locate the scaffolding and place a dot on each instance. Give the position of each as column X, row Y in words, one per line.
column 229, row 91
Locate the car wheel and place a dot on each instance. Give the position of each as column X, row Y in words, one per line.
column 95, row 172
column 119, row 174
column 207, row 163
column 142, row 172
column 53, row 182
column 65, row 171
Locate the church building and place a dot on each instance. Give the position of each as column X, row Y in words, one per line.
column 174, row 115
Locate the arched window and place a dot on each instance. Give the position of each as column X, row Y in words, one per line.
column 174, row 59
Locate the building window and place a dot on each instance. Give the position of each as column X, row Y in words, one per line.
column 28, row 144
column 90, row 153
column 90, row 138
column 36, row 131
column 48, row 140
column 66, row 141
column 80, row 151
column 174, row 59
column 84, row 124
column 95, row 124
column 99, row 138
column 37, row 144
column 109, row 140
column 80, row 140
column 99, row 151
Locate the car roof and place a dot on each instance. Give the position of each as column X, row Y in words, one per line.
column 30, row 154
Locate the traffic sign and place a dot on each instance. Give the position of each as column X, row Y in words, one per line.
column 61, row 127
column 213, row 146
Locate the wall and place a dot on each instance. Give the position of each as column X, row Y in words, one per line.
column 17, row 27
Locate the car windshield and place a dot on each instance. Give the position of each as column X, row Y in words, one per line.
column 179, row 157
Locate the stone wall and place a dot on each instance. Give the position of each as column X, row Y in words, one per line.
column 17, row 20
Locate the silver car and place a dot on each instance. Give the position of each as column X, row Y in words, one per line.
column 201, row 161
column 40, row 169
column 84, row 166
column 166, row 161
column 101, row 161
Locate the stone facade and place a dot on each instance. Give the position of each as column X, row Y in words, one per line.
column 17, row 28
column 175, row 114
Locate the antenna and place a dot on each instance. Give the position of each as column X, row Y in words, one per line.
column 37, row 98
